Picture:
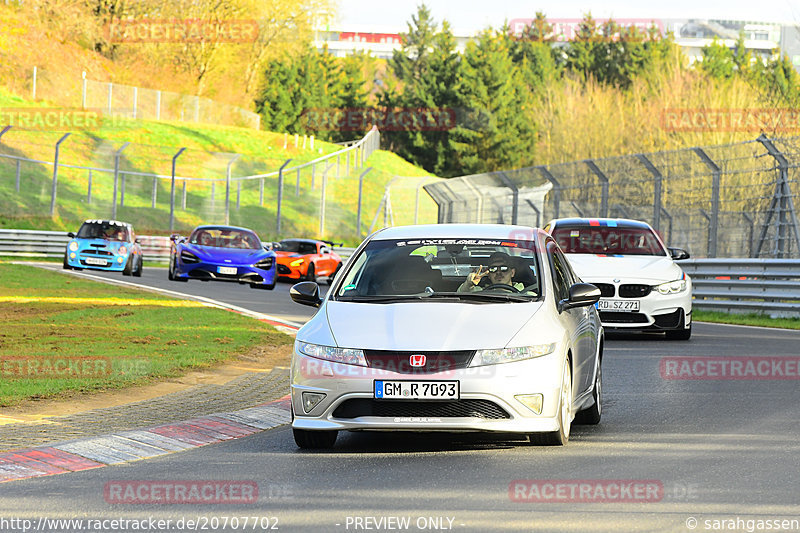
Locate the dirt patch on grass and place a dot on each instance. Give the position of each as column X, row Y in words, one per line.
column 258, row 359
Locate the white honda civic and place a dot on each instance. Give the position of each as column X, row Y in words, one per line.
column 449, row 328
column 642, row 287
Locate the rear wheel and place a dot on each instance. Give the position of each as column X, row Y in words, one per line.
column 330, row 278
column 560, row 436
column 311, row 273
column 314, row 439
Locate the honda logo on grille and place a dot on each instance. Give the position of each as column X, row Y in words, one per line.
column 418, row 359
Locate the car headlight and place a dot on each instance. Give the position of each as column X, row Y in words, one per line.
column 296, row 263
column 264, row 264
column 188, row 257
column 347, row 356
column 671, row 287
column 508, row 355
column 122, row 250
column 73, row 246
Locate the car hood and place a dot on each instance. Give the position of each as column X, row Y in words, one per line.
column 624, row 267
column 110, row 245
column 427, row 325
column 234, row 255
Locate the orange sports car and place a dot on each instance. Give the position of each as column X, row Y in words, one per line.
column 307, row 259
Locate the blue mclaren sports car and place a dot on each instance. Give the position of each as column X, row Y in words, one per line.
column 223, row 253
column 104, row 245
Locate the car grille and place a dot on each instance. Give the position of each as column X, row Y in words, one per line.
column 606, row 289
column 283, row 270
column 399, row 408
column 92, row 252
column 617, row 317
column 434, row 361
column 634, row 290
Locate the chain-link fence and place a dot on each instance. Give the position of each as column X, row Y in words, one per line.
column 159, row 188
column 735, row 200
column 116, row 99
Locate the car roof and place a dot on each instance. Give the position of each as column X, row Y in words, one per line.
column 455, row 231
column 312, row 241
column 109, row 222
column 618, row 222
column 221, row 226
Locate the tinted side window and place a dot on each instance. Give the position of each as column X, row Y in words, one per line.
column 561, row 274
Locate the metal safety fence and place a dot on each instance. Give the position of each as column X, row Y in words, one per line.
column 734, row 200
column 76, row 176
column 119, row 100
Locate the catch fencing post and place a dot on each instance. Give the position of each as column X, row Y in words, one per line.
column 154, row 194
column 261, row 192
column 280, row 196
column 83, row 90
column 89, row 189
column 556, row 187
column 34, row 83
column 360, row 188
column 172, row 191
column 781, row 202
column 603, row 184
column 228, row 188
column 297, row 184
column 714, row 220
column 656, row 190
column 55, row 175
column 110, row 89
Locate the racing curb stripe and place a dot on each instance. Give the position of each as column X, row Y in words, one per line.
column 129, row 446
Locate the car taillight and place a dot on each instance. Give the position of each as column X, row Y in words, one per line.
column 188, row 257
column 265, row 263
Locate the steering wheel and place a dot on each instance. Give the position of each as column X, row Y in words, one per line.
column 501, row 286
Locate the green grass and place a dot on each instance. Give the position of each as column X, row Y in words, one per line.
column 749, row 319
column 117, row 338
column 210, row 148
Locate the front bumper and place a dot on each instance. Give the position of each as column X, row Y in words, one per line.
column 210, row 271
column 82, row 259
column 657, row 312
column 487, row 398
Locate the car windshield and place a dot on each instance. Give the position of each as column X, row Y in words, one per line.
column 607, row 240
column 103, row 230
column 225, row 238
column 475, row 270
column 298, row 247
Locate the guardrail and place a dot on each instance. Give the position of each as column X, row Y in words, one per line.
column 43, row 244
column 746, row 285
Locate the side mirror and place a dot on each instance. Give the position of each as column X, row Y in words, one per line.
column 174, row 237
column 580, row 295
column 307, row 293
column 71, row 235
column 137, row 241
column 678, row 253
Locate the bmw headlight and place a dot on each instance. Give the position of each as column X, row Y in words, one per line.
column 73, row 246
column 508, row 355
column 671, row 287
column 347, row 356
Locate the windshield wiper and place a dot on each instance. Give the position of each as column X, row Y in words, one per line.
column 485, row 296
column 378, row 298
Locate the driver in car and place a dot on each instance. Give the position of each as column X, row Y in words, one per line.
column 499, row 272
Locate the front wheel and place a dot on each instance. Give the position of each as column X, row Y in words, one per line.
column 314, row 439
column 128, row 270
column 560, row 436
column 66, row 263
column 591, row 415
column 311, row 274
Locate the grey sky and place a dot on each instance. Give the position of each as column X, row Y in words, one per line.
column 473, row 15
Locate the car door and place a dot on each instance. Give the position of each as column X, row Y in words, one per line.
column 577, row 320
column 325, row 261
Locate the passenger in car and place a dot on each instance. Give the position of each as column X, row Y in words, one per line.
column 499, row 272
